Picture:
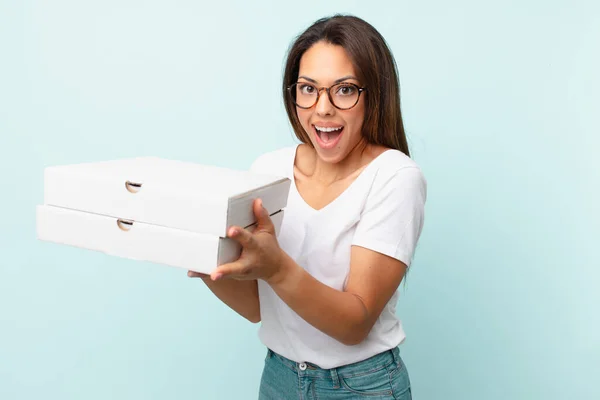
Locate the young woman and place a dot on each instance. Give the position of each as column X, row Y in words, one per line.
column 325, row 289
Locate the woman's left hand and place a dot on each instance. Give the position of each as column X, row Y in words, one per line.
column 261, row 255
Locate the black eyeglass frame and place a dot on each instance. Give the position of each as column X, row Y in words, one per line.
column 328, row 90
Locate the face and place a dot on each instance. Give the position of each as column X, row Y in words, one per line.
column 334, row 133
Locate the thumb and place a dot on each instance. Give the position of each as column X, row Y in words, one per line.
column 262, row 217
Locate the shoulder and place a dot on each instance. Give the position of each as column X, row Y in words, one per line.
column 278, row 161
column 395, row 170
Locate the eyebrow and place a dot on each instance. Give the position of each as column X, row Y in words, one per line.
column 336, row 81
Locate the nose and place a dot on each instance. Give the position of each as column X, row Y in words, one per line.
column 324, row 106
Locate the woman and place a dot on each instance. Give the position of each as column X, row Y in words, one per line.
column 325, row 289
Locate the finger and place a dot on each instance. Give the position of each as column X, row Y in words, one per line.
column 231, row 270
column 242, row 236
column 194, row 274
column 262, row 217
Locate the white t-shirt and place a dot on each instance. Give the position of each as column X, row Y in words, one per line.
column 382, row 210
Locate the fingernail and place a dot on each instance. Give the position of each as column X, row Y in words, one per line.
column 218, row 276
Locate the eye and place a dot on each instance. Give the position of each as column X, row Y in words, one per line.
column 305, row 88
column 345, row 90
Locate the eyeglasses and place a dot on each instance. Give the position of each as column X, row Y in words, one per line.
column 343, row 95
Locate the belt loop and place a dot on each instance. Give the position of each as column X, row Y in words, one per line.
column 335, row 378
column 396, row 355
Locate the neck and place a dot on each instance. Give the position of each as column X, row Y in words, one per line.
column 328, row 173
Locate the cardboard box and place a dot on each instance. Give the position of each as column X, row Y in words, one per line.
column 176, row 194
column 156, row 210
column 137, row 240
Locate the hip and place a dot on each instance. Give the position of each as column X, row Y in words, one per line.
column 383, row 376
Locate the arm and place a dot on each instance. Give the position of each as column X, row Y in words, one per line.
column 348, row 315
column 240, row 296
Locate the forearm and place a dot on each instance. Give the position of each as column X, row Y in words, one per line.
column 339, row 314
column 240, row 296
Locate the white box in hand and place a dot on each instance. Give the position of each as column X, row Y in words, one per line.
column 157, row 210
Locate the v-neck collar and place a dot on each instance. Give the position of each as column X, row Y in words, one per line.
column 339, row 197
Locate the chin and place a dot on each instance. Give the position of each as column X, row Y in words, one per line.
column 330, row 155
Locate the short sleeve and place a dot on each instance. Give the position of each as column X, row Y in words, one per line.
column 393, row 215
column 260, row 164
column 277, row 162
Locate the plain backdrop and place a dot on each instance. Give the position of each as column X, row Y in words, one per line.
column 501, row 102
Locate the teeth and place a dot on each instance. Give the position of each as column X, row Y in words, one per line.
column 327, row 129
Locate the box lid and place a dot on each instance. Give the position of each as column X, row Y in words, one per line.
column 182, row 195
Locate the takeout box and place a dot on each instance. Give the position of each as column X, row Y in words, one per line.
column 152, row 209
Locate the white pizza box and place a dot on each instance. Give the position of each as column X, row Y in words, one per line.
column 175, row 194
column 141, row 241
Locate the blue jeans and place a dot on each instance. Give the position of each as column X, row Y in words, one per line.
column 383, row 376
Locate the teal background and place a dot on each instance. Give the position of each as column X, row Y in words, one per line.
column 501, row 102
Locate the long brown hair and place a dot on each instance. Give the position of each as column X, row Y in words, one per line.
column 376, row 70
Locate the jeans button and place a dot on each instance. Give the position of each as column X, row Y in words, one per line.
column 302, row 366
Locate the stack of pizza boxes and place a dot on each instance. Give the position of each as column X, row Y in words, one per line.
column 156, row 210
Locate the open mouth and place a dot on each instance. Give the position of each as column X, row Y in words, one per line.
column 328, row 136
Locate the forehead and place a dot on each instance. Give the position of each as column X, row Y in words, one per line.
column 325, row 62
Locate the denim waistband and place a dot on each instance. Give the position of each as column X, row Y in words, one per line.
column 372, row 364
